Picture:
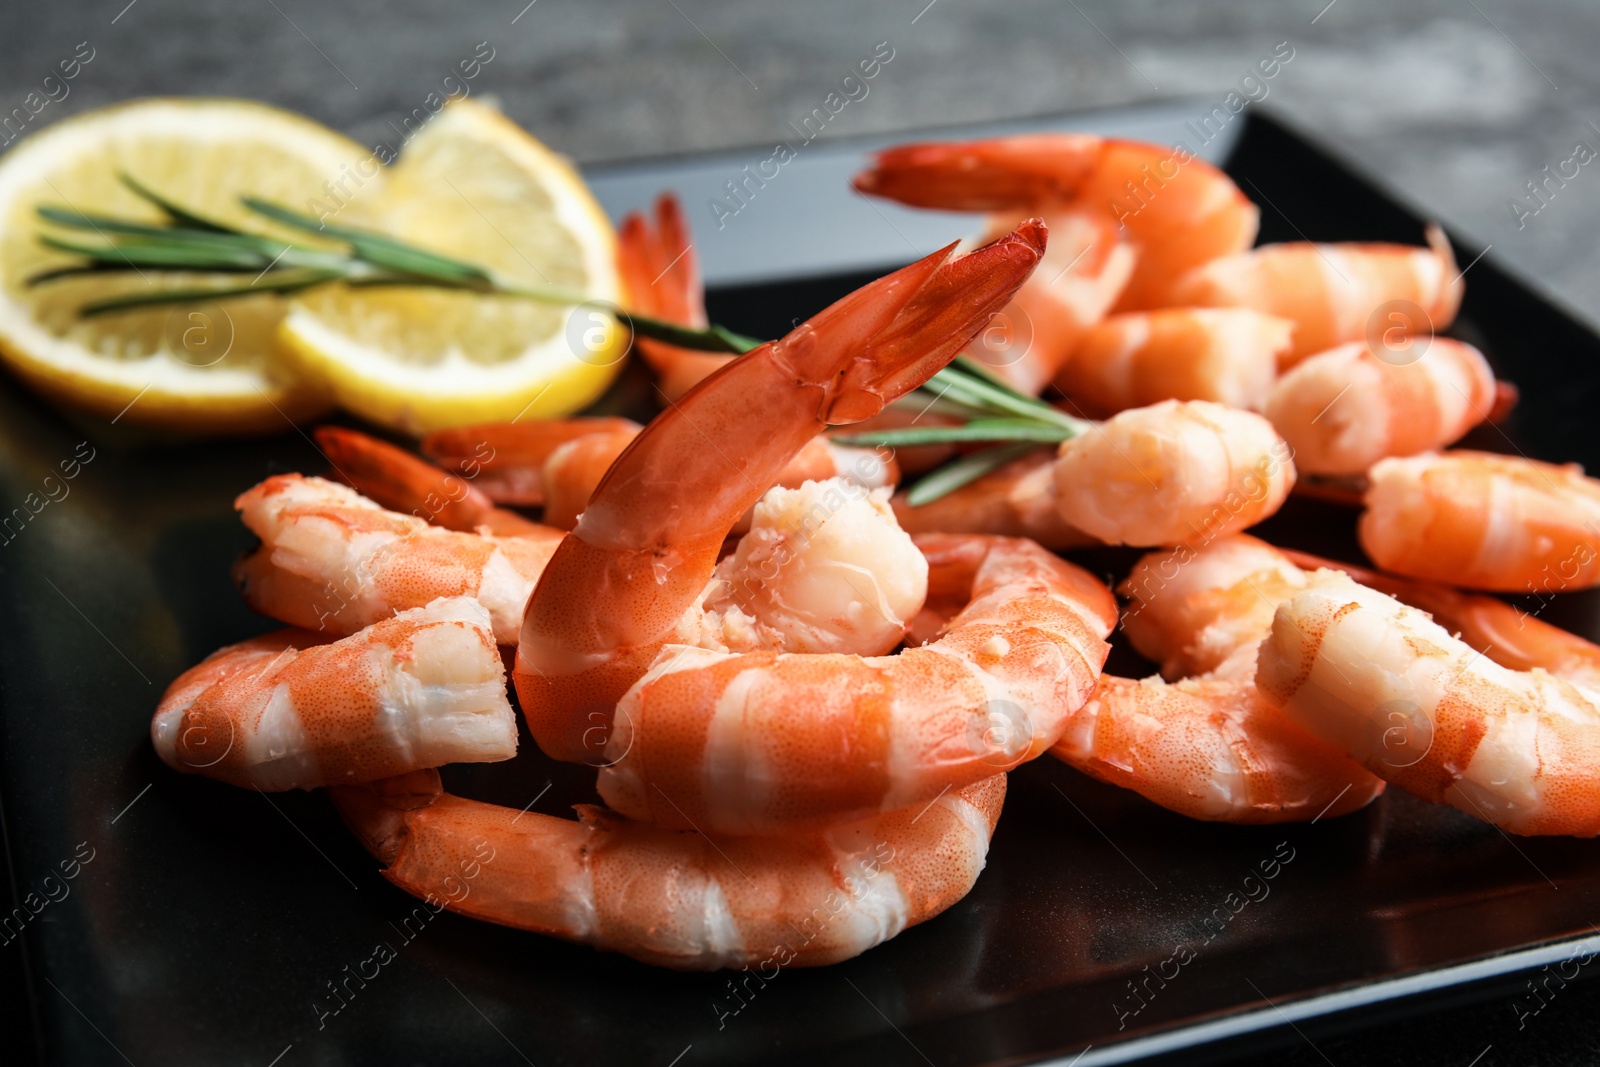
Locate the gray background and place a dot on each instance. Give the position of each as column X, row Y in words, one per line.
column 1455, row 104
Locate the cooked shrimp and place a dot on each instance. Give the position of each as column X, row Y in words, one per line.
column 1207, row 745
column 506, row 460
column 1018, row 500
column 842, row 366
column 1484, row 521
column 395, row 479
column 573, row 470
column 1084, row 270
column 676, row 899
column 333, row 561
column 1179, row 210
column 1507, row 635
column 824, row 568
column 1201, row 610
column 1344, row 409
column 1229, row 355
column 661, row 271
column 289, row 710
column 1334, row 293
column 764, row 743
column 648, row 541
column 1177, row 471
column 1212, row 749
column 1173, row 472
column 1383, row 682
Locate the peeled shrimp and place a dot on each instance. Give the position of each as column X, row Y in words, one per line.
column 333, row 561
column 1017, row 500
column 1229, row 355
column 1211, row 749
column 1335, row 293
column 1085, row 268
column 293, row 710
column 636, row 567
column 1201, row 610
column 1173, row 472
column 1425, row 711
column 648, row 541
column 761, row 743
column 1507, row 635
column 1179, row 211
column 824, row 569
column 677, row 899
column 1208, row 745
column 1345, row 409
column 1484, row 521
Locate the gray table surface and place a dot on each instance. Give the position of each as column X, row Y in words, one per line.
column 1453, row 104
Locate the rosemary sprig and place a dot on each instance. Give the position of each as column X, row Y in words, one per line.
column 192, row 242
column 976, row 430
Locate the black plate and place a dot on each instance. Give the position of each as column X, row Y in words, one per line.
column 213, row 924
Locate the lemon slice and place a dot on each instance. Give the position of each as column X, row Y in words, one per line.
column 474, row 186
column 201, row 368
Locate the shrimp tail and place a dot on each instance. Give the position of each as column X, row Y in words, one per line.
column 939, row 320
column 662, row 276
column 989, row 175
column 650, row 257
column 639, row 556
column 376, row 811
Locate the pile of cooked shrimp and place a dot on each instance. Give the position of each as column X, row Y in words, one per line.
column 802, row 690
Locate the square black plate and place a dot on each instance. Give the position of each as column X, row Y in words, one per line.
column 218, row 925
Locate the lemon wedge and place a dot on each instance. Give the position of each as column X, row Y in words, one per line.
column 210, row 368
column 474, row 186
